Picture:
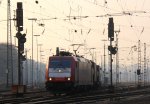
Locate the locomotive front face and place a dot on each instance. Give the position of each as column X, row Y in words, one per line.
column 60, row 70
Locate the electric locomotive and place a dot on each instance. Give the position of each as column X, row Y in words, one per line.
column 66, row 72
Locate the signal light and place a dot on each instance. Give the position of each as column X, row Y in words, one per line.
column 113, row 50
column 23, row 57
column 111, row 29
column 138, row 72
column 21, row 46
column 22, row 40
column 19, row 16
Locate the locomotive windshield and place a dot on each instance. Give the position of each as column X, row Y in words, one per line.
column 60, row 68
column 60, row 64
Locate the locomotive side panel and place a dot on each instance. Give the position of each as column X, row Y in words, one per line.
column 76, row 73
column 98, row 81
column 85, row 73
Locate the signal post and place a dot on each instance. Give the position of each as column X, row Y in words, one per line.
column 113, row 50
column 20, row 88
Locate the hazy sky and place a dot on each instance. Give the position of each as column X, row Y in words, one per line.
column 81, row 22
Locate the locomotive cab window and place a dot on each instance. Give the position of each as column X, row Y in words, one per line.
column 60, row 68
column 60, row 64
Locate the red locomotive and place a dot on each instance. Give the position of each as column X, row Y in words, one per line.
column 66, row 72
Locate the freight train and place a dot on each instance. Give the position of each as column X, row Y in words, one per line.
column 67, row 72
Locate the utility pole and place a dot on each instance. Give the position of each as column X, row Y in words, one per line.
column 27, row 75
column 32, row 19
column 147, row 72
column 104, row 63
column 30, row 72
column 139, row 64
column 132, row 69
column 104, row 66
column 117, row 58
column 39, row 75
column 26, row 68
column 132, row 60
column 145, row 61
column 9, row 46
column 37, row 58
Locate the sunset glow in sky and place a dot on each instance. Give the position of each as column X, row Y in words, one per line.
column 85, row 22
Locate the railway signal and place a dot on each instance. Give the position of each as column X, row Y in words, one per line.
column 111, row 29
column 21, row 37
column 22, row 40
column 138, row 71
column 22, row 57
column 112, row 49
column 20, row 88
column 19, row 16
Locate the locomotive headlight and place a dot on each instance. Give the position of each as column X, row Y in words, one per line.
column 50, row 79
column 68, row 79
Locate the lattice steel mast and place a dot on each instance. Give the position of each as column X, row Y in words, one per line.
column 145, row 70
column 139, row 64
column 9, row 46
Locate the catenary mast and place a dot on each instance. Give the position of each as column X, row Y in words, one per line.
column 9, row 46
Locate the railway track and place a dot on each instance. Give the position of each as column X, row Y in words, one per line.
column 95, row 96
column 12, row 98
column 92, row 98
